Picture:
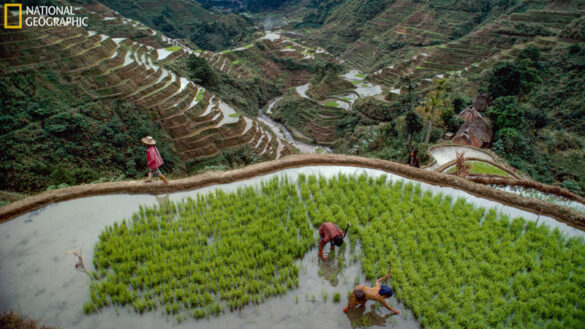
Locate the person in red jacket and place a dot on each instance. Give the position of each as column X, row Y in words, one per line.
column 154, row 160
column 329, row 232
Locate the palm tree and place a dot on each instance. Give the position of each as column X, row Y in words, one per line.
column 435, row 100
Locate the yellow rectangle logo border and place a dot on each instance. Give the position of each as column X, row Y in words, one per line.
column 17, row 5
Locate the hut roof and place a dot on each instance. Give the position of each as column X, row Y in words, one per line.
column 476, row 130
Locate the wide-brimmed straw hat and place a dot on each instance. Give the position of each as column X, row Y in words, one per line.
column 148, row 140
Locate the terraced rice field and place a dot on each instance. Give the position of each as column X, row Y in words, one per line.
column 109, row 68
column 453, row 264
column 428, row 232
column 481, row 168
column 496, row 40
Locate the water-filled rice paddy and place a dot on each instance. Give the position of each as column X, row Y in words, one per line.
column 38, row 277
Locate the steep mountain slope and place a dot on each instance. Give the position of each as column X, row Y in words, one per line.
column 411, row 46
column 108, row 74
column 374, row 34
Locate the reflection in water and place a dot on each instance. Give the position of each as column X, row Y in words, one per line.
column 333, row 266
column 162, row 199
column 359, row 318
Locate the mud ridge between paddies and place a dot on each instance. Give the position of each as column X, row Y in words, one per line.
column 562, row 214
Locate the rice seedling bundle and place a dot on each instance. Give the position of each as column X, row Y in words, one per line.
column 453, row 264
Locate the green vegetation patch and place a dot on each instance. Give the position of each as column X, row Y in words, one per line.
column 359, row 75
column 200, row 94
column 332, row 104
column 453, row 264
column 234, row 115
column 173, row 48
column 356, row 82
column 201, row 257
column 236, row 62
column 482, row 168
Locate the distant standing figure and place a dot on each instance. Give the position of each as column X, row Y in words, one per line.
column 413, row 159
column 329, row 232
column 361, row 294
column 154, row 160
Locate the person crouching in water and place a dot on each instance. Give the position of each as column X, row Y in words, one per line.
column 361, row 294
column 154, row 160
column 329, row 232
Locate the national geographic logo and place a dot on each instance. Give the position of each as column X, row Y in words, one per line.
column 42, row 16
column 7, row 12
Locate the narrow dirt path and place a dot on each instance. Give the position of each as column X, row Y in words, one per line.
column 569, row 216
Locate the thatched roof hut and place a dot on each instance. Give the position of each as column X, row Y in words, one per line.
column 476, row 131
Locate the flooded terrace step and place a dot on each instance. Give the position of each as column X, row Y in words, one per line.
column 193, row 136
column 171, row 87
column 191, row 108
column 87, row 58
column 135, row 80
column 146, row 81
column 211, row 142
column 111, row 56
column 167, row 99
column 179, row 102
column 226, row 131
column 186, row 127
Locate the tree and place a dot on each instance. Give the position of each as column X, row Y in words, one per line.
column 529, row 75
column 518, row 78
column 199, row 70
column 414, row 124
column 458, row 104
column 504, row 80
column 436, row 100
column 511, row 143
column 506, row 113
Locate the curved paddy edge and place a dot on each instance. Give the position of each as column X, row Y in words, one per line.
column 562, row 214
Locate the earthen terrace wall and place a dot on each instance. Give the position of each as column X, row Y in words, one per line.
column 562, row 214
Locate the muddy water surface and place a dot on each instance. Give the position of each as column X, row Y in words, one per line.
column 38, row 279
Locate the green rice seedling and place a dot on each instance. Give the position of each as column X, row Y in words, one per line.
column 449, row 258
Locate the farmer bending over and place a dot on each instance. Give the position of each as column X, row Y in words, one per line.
column 329, row 232
column 154, row 160
column 361, row 294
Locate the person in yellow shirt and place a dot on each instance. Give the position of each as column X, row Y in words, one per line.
column 361, row 294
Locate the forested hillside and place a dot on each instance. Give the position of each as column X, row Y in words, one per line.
column 53, row 133
column 188, row 20
column 539, row 114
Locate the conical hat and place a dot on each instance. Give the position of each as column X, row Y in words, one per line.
column 148, row 141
